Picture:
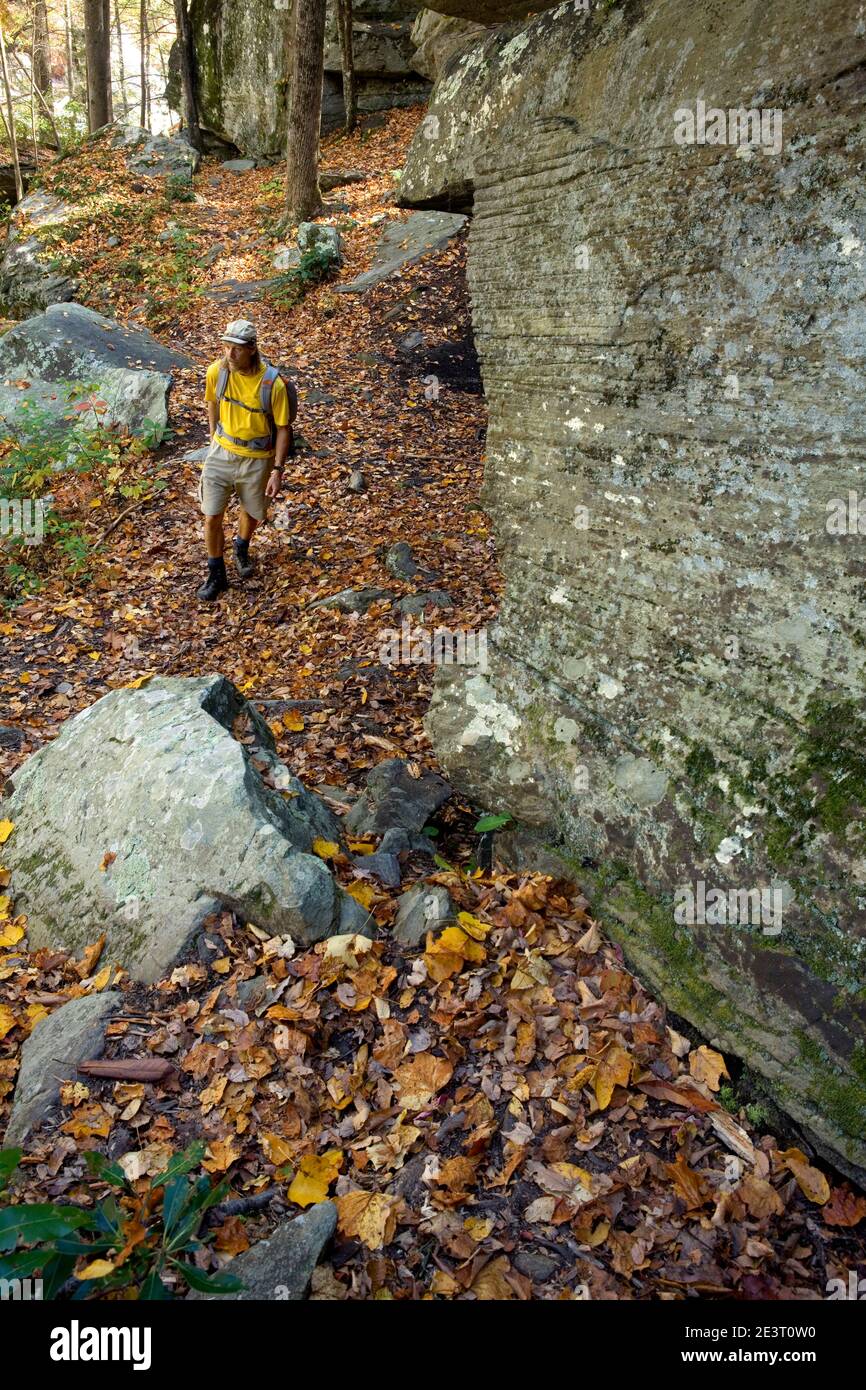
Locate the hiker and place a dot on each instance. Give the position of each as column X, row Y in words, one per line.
column 249, row 412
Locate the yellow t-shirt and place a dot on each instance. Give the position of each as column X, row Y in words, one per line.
column 243, row 423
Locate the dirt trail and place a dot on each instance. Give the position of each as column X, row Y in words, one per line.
column 362, row 404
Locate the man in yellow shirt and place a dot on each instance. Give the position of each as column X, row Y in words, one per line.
column 249, row 418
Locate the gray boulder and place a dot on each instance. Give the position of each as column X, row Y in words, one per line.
column 145, row 815
column 426, row 907
column 280, row 1268
column 675, row 688
column 404, row 243
column 157, row 156
column 379, row 50
column 394, row 798
column 71, row 1034
column 319, row 235
column 437, row 37
column 30, row 277
column 69, row 347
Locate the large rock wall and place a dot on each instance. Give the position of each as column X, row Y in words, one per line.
column 673, row 343
column 242, row 53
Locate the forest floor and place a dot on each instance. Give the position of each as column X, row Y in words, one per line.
column 507, row 1113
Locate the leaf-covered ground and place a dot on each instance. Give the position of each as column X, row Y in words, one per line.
column 503, row 1113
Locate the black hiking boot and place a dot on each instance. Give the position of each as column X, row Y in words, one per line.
column 217, row 580
column 243, row 563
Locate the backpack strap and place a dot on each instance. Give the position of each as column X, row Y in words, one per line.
column 266, row 390
column 222, row 383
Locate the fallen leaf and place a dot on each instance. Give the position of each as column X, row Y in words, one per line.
column 811, row 1181
column 708, row 1066
column 370, row 1217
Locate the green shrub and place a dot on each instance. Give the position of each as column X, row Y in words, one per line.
column 129, row 1240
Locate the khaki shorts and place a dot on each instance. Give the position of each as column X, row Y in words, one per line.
column 224, row 473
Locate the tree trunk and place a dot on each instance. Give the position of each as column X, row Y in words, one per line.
column 97, row 39
column 187, row 74
column 144, row 49
column 70, row 57
column 347, row 57
column 303, row 198
column 41, row 51
column 118, row 29
column 13, row 143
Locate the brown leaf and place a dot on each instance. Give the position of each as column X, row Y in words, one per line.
column 151, row 1069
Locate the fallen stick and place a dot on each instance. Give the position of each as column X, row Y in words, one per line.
column 132, row 1069
column 104, row 537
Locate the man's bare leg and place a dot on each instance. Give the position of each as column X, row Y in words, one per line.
column 214, row 536
column 246, row 525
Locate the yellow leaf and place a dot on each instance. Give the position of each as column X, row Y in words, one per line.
column 220, row 1155
column 455, row 939
column 11, row 934
column 315, row 1174
column 94, row 656
column 363, row 893
column 101, row 980
column 810, row 1181
column 97, row 1269
column 293, row 720
column 95, row 502
column 223, row 965
column 277, row 1151
column 361, row 847
column 370, row 1217
column 707, row 1066
column 140, row 681
column 472, row 926
column 326, row 849
column 7, row 1020
column 478, row 1227
column 6, row 828
column 25, row 678
column 614, row 1069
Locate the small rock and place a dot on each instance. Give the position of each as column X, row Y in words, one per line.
column 71, row 1034
column 386, row 867
column 335, row 178
column 538, row 1268
column 281, row 1266
column 393, row 797
column 410, row 341
column 286, row 258
column 416, row 603
column 317, row 397
column 113, row 241
column 238, row 166
column 397, row 841
column 400, row 561
column 196, row 455
column 352, row 600
column 357, row 481
column 10, row 738
column 423, row 908
column 312, row 234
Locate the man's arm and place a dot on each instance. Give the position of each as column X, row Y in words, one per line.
column 275, row 481
column 212, row 417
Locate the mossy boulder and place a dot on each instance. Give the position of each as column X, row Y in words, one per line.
column 672, row 338
column 146, row 814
